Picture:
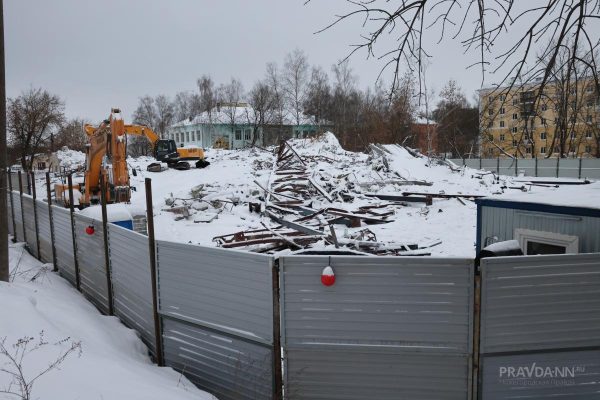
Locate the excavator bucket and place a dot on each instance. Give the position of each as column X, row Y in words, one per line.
column 202, row 164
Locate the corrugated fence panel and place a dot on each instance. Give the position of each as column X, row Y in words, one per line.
column 540, row 302
column 90, row 257
column 547, row 167
column 30, row 224
column 63, row 242
column 221, row 289
column 540, row 327
column 44, row 231
column 400, row 327
column 225, row 365
column 590, row 168
column 573, row 375
column 508, row 166
column 132, row 282
column 18, row 217
column 526, row 166
column 217, row 309
column 569, row 168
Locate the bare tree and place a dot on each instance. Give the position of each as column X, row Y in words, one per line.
column 410, row 24
column 186, row 105
column 230, row 96
column 157, row 113
column 262, row 112
column 145, row 113
column 273, row 79
column 318, row 95
column 31, row 120
column 295, row 78
column 72, row 135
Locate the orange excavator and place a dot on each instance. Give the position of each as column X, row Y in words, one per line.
column 107, row 158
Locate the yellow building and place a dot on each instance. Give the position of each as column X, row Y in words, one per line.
column 564, row 120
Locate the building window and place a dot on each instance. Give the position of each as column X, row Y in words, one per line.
column 515, row 116
column 588, row 149
column 490, row 124
column 490, row 152
column 490, row 99
column 502, row 97
column 539, row 242
column 544, row 107
column 573, row 135
column 543, row 135
column 590, row 89
column 526, row 136
column 588, row 135
column 238, row 134
column 502, row 110
column 247, row 134
column 514, row 143
column 490, row 112
column 543, row 121
column 542, row 150
column 590, row 103
column 514, row 129
column 528, row 150
column 501, row 124
column 515, row 101
column 41, row 165
column 588, row 118
column 502, row 137
column 187, row 136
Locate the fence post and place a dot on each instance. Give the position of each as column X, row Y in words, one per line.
column 536, row 168
column 480, row 164
column 277, row 375
column 516, row 166
column 22, row 209
column 35, row 216
column 557, row 165
column 72, row 212
column 50, row 218
column 109, row 292
column 12, row 207
column 579, row 173
column 152, row 252
column 498, row 165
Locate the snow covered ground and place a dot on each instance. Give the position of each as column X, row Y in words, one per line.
column 107, row 361
column 229, row 180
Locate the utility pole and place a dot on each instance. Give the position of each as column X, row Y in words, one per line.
column 3, row 176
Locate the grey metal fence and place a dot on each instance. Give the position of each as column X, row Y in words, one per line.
column 9, row 213
column 18, row 216
column 217, row 309
column 30, row 229
column 64, row 243
column 91, row 261
column 540, row 327
column 388, row 328
column 132, row 290
column 540, row 167
column 44, row 231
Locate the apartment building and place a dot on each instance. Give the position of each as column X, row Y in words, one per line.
column 561, row 121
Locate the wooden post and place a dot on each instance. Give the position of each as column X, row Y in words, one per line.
column 49, row 196
column 35, row 216
column 72, row 211
column 109, row 292
column 152, row 253
column 12, row 206
column 579, row 174
column 557, row 166
column 516, row 166
column 536, row 167
column 277, row 374
column 28, row 183
column 22, row 209
column 498, row 165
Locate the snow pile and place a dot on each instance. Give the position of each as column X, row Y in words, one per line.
column 106, row 361
column 70, row 159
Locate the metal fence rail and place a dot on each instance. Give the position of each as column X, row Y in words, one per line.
column 388, row 328
column 132, row 290
column 540, row 311
column 9, row 213
column 217, row 309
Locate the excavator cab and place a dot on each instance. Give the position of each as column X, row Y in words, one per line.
column 165, row 150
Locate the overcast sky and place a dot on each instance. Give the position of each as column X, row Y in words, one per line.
column 102, row 54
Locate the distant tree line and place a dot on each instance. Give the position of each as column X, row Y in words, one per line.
column 357, row 117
